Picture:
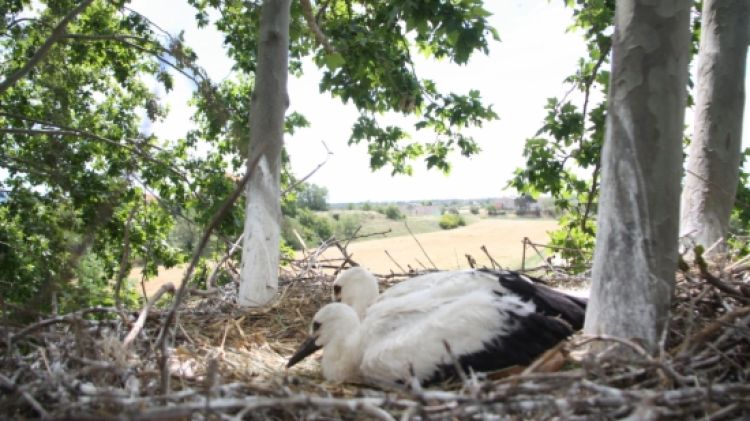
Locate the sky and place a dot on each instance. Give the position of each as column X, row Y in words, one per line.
column 535, row 54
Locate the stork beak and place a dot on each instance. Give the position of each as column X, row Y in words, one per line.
column 307, row 348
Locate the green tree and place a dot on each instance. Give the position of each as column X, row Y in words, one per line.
column 313, row 197
column 563, row 158
column 74, row 118
column 364, row 49
column 71, row 106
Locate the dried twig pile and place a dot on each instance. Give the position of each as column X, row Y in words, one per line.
column 228, row 363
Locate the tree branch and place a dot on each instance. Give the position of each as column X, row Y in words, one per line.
column 68, row 131
column 42, row 52
column 122, row 272
column 138, row 325
column 313, row 25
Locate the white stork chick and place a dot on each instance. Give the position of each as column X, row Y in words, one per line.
column 484, row 331
column 359, row 288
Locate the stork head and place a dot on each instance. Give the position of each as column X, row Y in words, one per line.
column 357, row 288
column 330, row 324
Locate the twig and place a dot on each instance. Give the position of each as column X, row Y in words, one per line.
column 456, row 365
column 124, row 260
column 718, row 283
column 420, row 246
column 421, row 264
column 310, row 174
column 533, row 246
column 367, row 406
column 710, row 330
column 495, row 264
column 471, row 260
column 67, row 318
column 215, row 272
column 139, row 323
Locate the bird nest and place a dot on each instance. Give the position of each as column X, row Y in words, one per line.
column 220, row 361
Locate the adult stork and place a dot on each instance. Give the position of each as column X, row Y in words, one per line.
column 359, row 289
column 429, row 334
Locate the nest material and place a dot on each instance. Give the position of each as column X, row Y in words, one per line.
column 225, row 362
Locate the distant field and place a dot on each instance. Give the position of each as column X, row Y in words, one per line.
column 447, row 248
column 503, row 238
column 373, row 222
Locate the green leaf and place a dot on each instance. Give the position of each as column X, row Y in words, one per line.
column 334, row 60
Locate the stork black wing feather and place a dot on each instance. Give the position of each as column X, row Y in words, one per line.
column 547, row 300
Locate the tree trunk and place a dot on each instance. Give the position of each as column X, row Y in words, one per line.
column 714, row 156
column 636, row 243
column 260, row 251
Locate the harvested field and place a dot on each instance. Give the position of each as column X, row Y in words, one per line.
column 447, row 249
column 502, row 236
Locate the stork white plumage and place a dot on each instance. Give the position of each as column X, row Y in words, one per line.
column 504, row 320
column 359, row 289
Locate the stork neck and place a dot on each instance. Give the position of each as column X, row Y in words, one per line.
column 342, row 356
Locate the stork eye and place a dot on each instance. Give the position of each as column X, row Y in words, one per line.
column 315, row 326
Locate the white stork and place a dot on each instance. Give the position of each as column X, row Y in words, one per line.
column 405, row 332
column 359, row 289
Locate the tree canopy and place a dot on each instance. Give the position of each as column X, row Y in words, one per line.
column 77, row 100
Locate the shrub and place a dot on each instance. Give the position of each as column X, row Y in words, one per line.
column 347, row 225
column 311, row 227
column 393, row 212
column 288, row 226
column 474, row 210
column 450, row 221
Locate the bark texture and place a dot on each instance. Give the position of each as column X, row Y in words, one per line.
column 714, row 156
column 260, row 251
column 638, row 220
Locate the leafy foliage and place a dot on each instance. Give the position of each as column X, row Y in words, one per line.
column 394, row 212
column 562, row 159
column 739, row 222
column 313, row 197
column 78, row 153
column 450, row 221
column 73, row 149
column 312, row 227
column 366, row 59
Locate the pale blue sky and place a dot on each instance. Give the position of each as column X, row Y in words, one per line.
column 523, row 70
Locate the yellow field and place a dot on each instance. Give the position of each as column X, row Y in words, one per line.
column 447, row 249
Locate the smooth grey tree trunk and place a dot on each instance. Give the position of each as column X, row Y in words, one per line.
column 714, row 156
column 638, row 220
column 260, row 251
